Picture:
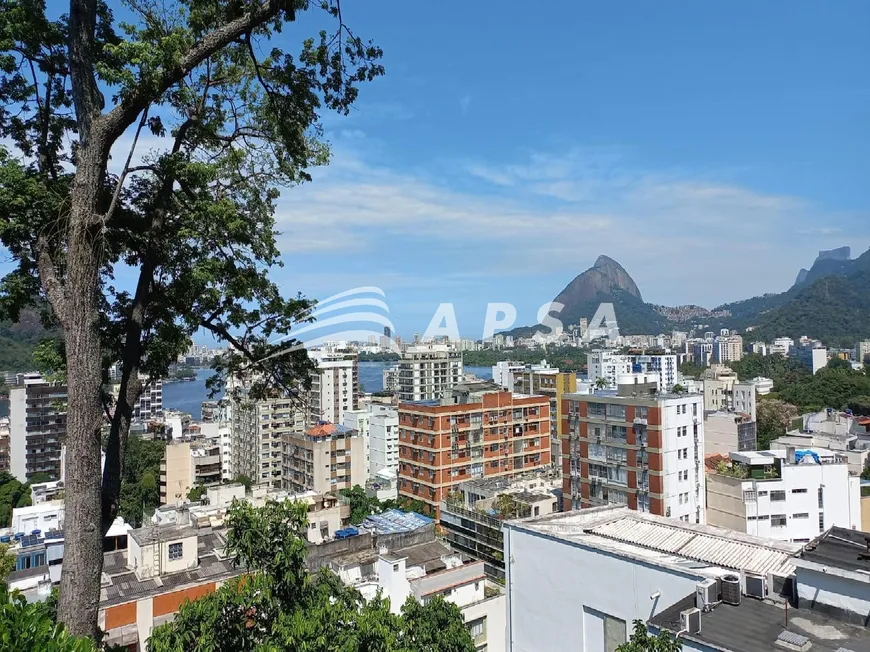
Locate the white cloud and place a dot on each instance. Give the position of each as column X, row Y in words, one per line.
column 684, row 238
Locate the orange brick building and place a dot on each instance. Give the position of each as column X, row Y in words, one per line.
column 478, row 431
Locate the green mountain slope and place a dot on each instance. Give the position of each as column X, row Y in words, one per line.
column 834, row 309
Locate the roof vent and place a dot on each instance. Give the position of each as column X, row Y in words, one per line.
column 792, row 641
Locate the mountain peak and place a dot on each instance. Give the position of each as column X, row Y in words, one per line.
column 601, row 282
column 605, row 261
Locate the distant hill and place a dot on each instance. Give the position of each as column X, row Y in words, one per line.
column 834, row 309
column 18, row 340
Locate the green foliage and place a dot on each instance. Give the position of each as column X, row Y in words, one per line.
column 182, row 372
column 781, row 370
column 829, row 387
column 361, row 505
column 30, row 626
column 244, row 480
column 7, row 562
column 196, row 492
column 378, row 357
column 140, row 491
column 12, row 494
column 642, row 641
column 39, row 477
column 859, row 405
column 278, row 605
column 691, row 370
column 774, row 416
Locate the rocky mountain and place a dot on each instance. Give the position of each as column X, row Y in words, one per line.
column 608, row 282
column 831, row 262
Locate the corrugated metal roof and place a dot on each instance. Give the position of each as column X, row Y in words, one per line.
column 692, row 544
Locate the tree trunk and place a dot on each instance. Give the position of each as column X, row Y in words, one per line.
column 83, row 549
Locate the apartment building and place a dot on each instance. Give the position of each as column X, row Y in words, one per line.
column 150, row 403
column 788, row 495
column 427, row 371
column 334, row 385
column 188, row 463
column 503, row 373
column 608, row 365
column 811, row 356
column 781, row 346
column 548, row 381
column 37, row 427
column 478, row 430
column 257, row 437
column 728, row 348
column 665, row 364
column 725, row 432
column 862, row 351
column 473, row 514
column 635, row 448
column 325, row 459
column 383, row 439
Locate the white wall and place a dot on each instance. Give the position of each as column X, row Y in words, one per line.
column 831, row 588
column 551, row 583
column 18, row 433
column 841, row 500
column 384, row 442
column 44, row 516
column 495, row 611
column 675, row 465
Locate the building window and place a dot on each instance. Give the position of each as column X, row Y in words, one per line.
column 749, row 496
column 477, row 627
column 777, row 496
column 762, row 494
column 801, row 515
column 175, row 551
column 798, row 491
column 821, row 497
column 777, row 520
column 821, row 521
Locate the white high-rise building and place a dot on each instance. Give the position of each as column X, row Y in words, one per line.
column 383, row 438
column 334, row 385
column 503, row 373
column 728, row 348
column 428, row 371
column 663, row 364
column 781, row 345
column 150, row 405
column 609, row 365
column 789, row 495
column 862, row 350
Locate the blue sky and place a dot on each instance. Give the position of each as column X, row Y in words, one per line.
column 711, row 148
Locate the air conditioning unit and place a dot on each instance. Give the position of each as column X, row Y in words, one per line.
column 755, row 587
column 690, row 621
column 707, row 594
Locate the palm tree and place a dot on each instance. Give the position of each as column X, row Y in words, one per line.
column 601, row 383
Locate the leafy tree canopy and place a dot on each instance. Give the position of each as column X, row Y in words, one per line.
column 642, row 641
column 278, row 605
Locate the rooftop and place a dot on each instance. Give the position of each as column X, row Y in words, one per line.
column 663, row 541
column 327, row 429
column 754, row 626
column 151, row 534
column 845, row 549
column 395, row 520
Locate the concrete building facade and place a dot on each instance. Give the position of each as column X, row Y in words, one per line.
column 37, row 427
column 478, row 431
column 428, row 372
column 608, row 365
column 325, row 459
column 640, row 450
column 786, row 495
column 334, row 385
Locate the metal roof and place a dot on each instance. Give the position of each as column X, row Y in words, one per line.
column 698, row 545
column 395, row 520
